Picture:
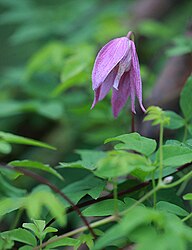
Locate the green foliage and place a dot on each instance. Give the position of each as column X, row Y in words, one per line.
column 133, row 195
column 39, row 229
column 15, row 139
column 90, row 185
column 36, row 165
column 171, row 208
column 134, row 227
column 127, row 163
column 20, row 235
column 88, row 160
column 175, row 155
column 34, row 202
column 176, row 121
column 135, row 142
column 157, row 115
column 103, row 208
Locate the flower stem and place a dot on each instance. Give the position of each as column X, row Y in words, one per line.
column 160, row 154
column 132, row 122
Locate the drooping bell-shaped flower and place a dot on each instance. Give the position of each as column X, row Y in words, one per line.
column 117, row 67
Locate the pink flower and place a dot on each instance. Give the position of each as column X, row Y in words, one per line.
column 117, row 67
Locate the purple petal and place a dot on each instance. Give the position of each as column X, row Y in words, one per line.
column 104, row 88
column 132, row 94
column 135, row 76
column 120, row 96
column 108, row 57
column 123, row 66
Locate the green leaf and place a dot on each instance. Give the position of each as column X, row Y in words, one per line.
column 84, row 239
column 36, row 165
column 76, row 68
column 186, row 100
column 157, row 115
column 15, row 139
column 146, row 227
column 176, row 121
column 119, row 163
column 21, row 235
column 175, row 156
column 42, row 196
column 8, row 205
column 136, row 142
column 171, row 208
column 26, row 248
column 89, row 159
column 61, row 242
column 32, row 227
column 103, row 208
column 187, row 196
column 130, row 202
column 189, row 127
column 9, row 190
column 133, row 219
column 38, row 228
column 90, row 185
column 6, row 243
column 5, row 147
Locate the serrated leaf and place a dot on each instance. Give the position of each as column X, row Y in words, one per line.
column 136, row 142
column 171, row 208
column 176, row 121
column 36, row 165
column 103, row 208
column 15, row 139
column 186, row 100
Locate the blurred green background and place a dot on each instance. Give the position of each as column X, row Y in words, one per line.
column 47, row 52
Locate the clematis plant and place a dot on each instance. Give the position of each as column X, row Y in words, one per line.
column 117, row 67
